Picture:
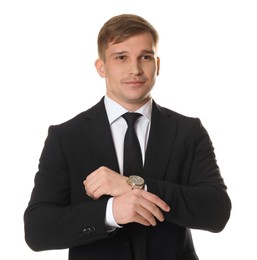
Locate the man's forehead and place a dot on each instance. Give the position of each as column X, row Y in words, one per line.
column 132, row 43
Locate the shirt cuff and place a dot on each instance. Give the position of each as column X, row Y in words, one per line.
column 110, row 222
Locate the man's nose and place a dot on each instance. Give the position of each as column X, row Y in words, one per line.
column 135, row 68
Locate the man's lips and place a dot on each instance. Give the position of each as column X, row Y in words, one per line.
column 134, row 82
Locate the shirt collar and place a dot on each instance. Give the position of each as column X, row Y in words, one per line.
column 115, row 110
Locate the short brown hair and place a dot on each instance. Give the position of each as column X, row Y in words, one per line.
column 119, row 28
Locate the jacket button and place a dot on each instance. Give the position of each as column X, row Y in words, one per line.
column 88, row 230
column 91, row 229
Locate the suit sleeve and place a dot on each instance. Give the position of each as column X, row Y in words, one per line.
column 51, row 222
column 200, row 201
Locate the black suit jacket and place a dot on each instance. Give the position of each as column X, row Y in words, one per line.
column 180, row 167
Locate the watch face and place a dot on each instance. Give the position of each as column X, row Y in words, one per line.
column 136, row 180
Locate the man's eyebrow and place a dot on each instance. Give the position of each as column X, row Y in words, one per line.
column 119, row 53
column 148, row 52
column 126, row 52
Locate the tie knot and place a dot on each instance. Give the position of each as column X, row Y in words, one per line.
column 131, row 117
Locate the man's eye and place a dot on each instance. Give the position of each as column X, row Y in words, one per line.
column 120, row 57
column 146, row 57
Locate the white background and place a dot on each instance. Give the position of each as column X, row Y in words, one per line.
column 208, row 70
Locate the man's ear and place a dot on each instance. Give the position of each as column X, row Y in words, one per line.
column 99, row 64
column 158, row 65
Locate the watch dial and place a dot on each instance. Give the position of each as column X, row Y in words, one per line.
column 137, row 180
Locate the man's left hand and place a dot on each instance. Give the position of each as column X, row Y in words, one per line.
column 105, row 181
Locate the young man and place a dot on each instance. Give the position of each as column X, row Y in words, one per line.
column 84, row 197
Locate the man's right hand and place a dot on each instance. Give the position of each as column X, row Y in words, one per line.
column 139, row 206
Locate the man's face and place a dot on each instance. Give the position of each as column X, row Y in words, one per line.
column 130, row 69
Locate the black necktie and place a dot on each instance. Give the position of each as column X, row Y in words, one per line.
column 133, row 164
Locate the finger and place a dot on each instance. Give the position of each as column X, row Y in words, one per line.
column 98, row 192
column 91, row 177
column 153, row 212
column 95, row 174
column 91, row 188
column 127, row 211
column 88, row 185
column 141, row 220
column 147, row 215
column 145, row 208
column 140, row 215
column 156, row 200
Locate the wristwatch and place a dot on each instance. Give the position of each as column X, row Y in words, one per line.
column 136, row 182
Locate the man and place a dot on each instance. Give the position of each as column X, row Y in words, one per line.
column 84, row 197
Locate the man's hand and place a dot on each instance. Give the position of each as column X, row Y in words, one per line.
column 104, row 181
column 128, row 205
column 139, row 206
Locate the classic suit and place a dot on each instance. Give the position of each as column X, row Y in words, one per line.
column 180, row 167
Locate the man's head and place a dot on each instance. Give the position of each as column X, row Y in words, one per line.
column 121, row 27
column 128, row 59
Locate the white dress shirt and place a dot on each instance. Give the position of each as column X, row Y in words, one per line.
column 118, row 127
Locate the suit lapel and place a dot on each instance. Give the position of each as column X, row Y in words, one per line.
column 160, row 143
column 99, row 137
column 159, row 147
